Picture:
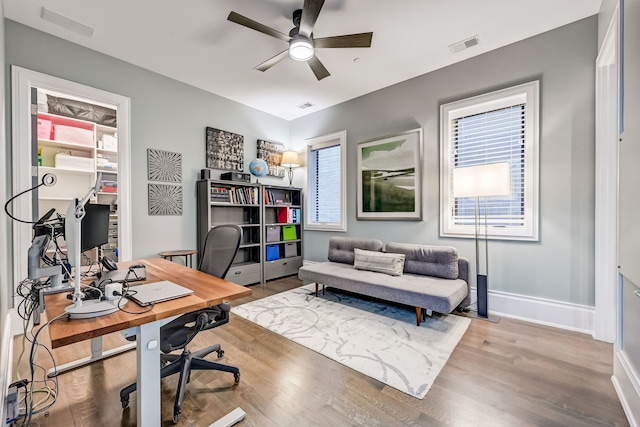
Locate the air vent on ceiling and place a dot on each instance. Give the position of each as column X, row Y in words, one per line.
column 305, row 105
column 68, row 23
column 464, row 44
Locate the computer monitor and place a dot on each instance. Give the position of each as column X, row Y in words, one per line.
column 95, row 226
column 94, row 230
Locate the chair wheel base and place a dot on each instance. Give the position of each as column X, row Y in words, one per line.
column 220, row 354
column 125, row 403
column 236, row 377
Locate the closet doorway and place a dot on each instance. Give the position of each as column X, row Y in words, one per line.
column 106, row 149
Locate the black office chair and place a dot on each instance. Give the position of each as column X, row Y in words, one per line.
column 220, row 249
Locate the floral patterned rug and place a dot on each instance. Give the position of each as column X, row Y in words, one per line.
column 378, row 339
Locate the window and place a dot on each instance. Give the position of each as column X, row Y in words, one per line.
column 326, row 195
column 496, row 127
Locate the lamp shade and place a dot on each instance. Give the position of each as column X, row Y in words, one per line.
column 492, row 179
column 290, row 159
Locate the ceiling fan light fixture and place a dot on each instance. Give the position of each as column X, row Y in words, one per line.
column 301, row 48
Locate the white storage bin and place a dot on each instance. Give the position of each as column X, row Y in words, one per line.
column 66, row 161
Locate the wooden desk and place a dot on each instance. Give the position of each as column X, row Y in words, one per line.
column 208, row 291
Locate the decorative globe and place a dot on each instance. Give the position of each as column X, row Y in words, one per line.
column 258, row 167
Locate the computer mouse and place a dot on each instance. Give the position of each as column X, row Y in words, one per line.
column 137, row 266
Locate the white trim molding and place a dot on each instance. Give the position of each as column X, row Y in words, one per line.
column 22, row 81
column 606, row 185
column 543, row 311
column 627, row 387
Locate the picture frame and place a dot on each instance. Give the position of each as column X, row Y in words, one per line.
column 390, row 177
column 225, row 150
column 271, row 152
column 164, row 165
column 165, row 199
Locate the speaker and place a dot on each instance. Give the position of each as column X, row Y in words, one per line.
column 108, row 263
column 205, row 173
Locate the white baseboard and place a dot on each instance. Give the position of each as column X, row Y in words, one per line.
column 627, row 385
column 6, row 356
column 559, row 314
column 17, row 324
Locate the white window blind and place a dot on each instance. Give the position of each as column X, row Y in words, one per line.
column 326, row 183
column 491, row 137
column 496, row 127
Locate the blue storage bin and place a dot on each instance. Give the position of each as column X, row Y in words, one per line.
column 273, row 252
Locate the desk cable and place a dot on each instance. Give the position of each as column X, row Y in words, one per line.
column 126, row 291
column 29, row 290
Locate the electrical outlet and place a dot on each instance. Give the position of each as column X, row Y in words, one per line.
column 12, row 403
column 111, row 289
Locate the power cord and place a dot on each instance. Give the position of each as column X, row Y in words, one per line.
column 29, row 290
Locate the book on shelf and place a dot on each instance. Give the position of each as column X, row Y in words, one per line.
column 288, row 215
column 220, row 194
column 235, row 195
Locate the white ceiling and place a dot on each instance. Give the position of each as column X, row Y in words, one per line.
column 194, row 43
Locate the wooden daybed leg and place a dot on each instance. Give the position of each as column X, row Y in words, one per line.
column 418, row 315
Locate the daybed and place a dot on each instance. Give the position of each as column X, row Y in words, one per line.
column 429, row 278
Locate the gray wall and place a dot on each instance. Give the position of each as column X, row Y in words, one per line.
column 165, row 114
column 172, row 116
column 560, row 265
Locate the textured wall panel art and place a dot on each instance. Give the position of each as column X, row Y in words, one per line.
column 271, row 152
column 165, row 199
column 164, row 166
column 225, row 150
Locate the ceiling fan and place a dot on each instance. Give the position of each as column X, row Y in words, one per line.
column 302, row 45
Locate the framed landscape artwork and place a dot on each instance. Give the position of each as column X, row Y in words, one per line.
column 389, row 177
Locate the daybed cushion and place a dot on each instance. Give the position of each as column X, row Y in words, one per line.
column 382, row 262
column 440, row 295
column 341, row 248
column 437, row 261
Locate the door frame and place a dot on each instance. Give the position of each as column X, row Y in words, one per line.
column 606, row 184
column 22, row 80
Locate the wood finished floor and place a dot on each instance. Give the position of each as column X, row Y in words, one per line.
column 511, row 373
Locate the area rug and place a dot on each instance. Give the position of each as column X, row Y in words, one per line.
column 378, row 339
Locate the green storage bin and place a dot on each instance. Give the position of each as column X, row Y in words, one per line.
column 289, row 232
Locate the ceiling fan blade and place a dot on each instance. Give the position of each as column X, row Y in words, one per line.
column 310, row 12
column 250, row 23
column 318, row 69
column 349, row 40
column 272, row 61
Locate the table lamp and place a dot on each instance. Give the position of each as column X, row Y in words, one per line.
column 488, row 180
column 290, row 160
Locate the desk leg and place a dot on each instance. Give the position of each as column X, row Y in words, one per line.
column 96, row 354
column 148, row 361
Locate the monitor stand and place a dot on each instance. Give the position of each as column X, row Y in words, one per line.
column 94, row 308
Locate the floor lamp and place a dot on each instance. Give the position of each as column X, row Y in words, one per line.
column 290, row 160
column 485, row 181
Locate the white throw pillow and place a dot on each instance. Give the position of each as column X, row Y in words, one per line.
column 381, row 262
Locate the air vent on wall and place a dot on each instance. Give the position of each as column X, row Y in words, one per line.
column 464, row 44
column 305, row 105
column 68, row 23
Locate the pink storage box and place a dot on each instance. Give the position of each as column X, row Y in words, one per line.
column 73, row 134
column 44, row 129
